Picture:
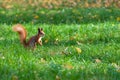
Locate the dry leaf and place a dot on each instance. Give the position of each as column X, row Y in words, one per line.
column 78, row 50
column 116, row 66
column 97, row 60
column 36, row 17
column 68, row 66
column 14, row 77
column 56, row 41
column 118, row 18
column 118, row 70
column 42, row 60
column 57, row 77
column 71, row 38
column 64, row 51
column 46, row 40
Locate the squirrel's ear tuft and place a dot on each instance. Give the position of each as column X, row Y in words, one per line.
column 38, row 29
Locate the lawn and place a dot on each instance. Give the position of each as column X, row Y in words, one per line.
column 71, row 50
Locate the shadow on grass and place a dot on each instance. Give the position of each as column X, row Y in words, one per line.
column 61, row 16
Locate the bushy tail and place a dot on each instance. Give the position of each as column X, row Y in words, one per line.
column 22, row 33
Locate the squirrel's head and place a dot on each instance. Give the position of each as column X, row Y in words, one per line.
column 41, row 32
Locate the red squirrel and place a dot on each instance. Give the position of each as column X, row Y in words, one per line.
column 23, row 34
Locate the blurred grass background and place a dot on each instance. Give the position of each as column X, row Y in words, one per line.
column 55, row 4
column 82, row 40
column 58, row 11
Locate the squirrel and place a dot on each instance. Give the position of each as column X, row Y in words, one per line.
column 23, row 34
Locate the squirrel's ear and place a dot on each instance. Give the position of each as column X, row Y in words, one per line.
column 41, row 29
column 38, row 29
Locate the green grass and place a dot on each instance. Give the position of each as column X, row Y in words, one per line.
column 58, row 16
column 58, row 58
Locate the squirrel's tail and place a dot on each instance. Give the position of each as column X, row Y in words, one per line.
column 22, row 33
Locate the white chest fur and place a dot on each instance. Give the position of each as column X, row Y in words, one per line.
column 40, row 39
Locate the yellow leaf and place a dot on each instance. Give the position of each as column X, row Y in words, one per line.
column 14, row 77
column 115, row 65
column 42, row 60
column 71, row 38
column 118, row 70
column 36, row 17
column 118, row 18
column 97, row 60
column 78, row 50
column 68, row 66
column 56, row 41
column 46, row 40
column 78, row 43
column 57, row 77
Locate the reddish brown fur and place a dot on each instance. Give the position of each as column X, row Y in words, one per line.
column 33, row 40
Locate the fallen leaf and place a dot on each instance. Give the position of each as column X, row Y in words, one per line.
column 46, row 40
column 78, row 50
column 56, row 41
column 36, row 17
column 57, row 77
column 72, row 38
column 118, row 70
column 115, row 65
column 42, row 60
column 14, row 77
column 78, row 43
column 65, row 51
column 97, row 60
column 68, row 66
column 118, row 18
